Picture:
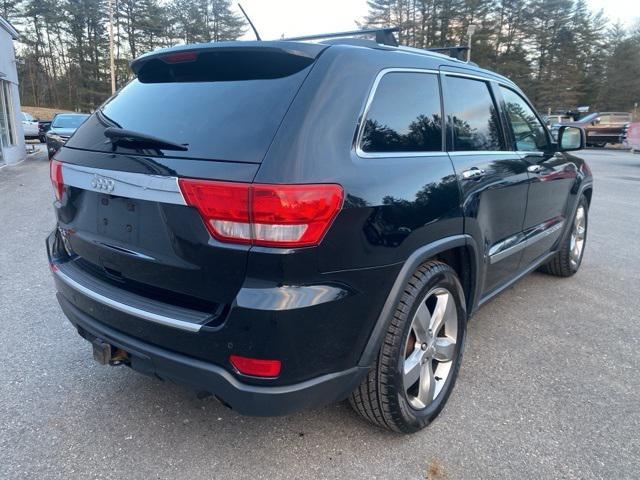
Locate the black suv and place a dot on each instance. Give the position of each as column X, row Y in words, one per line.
column 288, row 224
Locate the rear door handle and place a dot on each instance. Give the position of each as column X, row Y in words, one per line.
column 534, row 168
column 474, row 172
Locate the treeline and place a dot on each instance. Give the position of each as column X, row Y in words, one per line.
column 561, row 53
column 64, row 59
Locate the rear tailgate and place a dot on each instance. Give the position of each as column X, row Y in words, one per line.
column 122, row 219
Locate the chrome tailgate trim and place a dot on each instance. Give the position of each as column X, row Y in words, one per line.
column 141, row 186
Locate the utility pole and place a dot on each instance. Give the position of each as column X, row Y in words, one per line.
column 111, row 60
column 470, row 31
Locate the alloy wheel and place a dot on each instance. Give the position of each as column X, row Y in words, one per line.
column 431, row 348
column 577, row 237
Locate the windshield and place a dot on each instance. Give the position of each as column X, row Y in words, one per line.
column 27, row 118
column 68, row 121
column 589, row 118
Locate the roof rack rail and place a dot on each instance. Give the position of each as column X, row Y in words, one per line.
column 384, row 36
column 455, row 51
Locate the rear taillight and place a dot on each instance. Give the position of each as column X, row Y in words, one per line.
column 55, row 171
column 262, row 214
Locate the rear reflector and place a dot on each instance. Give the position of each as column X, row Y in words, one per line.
column 256, row 367
column 262, row 214
column 55, row 171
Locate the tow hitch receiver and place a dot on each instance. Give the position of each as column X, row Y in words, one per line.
column 106, row 354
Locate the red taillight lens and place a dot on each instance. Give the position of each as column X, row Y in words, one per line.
column 261, row 214
column 55, row 171
column 293, row 215
column 224, row 207
column 256, row 367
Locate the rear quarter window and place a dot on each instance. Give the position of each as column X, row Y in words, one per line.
column 404, row 115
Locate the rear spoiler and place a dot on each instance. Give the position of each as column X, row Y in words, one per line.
column 308, row 51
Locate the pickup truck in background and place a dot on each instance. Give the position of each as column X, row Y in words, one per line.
column 600, row 127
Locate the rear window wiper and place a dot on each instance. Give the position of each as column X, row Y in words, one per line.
column 137, row 139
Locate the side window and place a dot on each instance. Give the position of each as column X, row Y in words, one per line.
column 472, row 114
column 527, row 130
column 404, row 115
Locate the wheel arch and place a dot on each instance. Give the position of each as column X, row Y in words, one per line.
column 460, row 252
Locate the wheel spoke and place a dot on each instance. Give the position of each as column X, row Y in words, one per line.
column 412, row 368
column 427, row 386
column 445, row 349
column 421, row 323
column 439, row 313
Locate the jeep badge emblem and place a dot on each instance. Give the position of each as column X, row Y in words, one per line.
column 103, row 183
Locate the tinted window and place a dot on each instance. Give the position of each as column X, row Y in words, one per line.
column 527, row 130
column 68, row 121
column 471, row 112
column 404, row 115
column 233, row 120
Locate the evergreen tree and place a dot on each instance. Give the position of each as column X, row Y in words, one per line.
column 622, row 88
column 561, row 53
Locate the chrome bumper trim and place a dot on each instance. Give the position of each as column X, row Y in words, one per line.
column 128, row 309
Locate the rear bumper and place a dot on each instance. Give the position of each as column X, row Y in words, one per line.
column 244, row 398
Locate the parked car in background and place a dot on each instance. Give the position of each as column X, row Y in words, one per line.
column 29, row 126
column 43, row 128
column 246, row 218
column 63, row 126
column 600, row 127
column 630, row 137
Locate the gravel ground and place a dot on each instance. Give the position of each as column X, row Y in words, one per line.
column 549, row 387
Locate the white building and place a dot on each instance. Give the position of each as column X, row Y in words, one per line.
column 12, row 148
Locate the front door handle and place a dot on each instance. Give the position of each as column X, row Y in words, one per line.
column 474, row 172
column 534, row 168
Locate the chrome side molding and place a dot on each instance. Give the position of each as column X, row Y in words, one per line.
column 520, row 241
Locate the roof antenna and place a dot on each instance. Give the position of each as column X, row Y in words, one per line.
column 250, row 22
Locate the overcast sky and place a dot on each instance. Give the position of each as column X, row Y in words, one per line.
column 274, row 18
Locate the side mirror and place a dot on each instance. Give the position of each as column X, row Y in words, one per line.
column 571, row 138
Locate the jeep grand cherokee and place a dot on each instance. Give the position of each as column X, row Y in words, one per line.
column 288, row 224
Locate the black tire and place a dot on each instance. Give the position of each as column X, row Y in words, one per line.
column 381, row 398
column 563, row 263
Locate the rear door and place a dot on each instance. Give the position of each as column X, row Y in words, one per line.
column 493, row 180
column 551, row 176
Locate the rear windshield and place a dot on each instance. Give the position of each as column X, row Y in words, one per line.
column 68, row 121
column 232, row 120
